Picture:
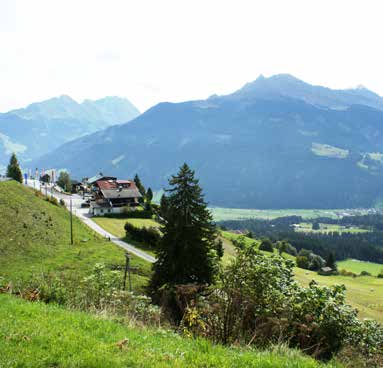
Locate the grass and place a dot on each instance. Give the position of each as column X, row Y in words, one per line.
column 116, row 225
column 35, row 239
column 223, row 214
column 39, row 335
column 364, row 293
column 357, row 267
column 328, row 228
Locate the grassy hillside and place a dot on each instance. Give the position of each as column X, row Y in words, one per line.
column 35, row 238
column 357, row 267
column 39, row 335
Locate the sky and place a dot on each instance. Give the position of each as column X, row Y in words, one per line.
column 178, row 50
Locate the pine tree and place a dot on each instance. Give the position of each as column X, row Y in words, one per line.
column 163, row 206
column 149, row 195
column 13, row 169
column 188, row 251
column 330, row 261
column 140, row 187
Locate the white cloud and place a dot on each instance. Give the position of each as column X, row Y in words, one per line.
column 174, row 50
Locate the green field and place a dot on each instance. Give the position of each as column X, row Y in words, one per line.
column 40, row 335
column 35, row 239
column 328, row 228
column 222, row 214
column 357, row 267
column 116, row 225
column 364, row 293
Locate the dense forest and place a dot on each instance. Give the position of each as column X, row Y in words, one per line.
column 366, row 246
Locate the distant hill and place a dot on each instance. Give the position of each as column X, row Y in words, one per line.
column 276, row 143
column 43, row 126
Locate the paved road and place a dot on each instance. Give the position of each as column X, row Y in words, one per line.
column 83, row 215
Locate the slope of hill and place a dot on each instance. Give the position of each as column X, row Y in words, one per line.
column 43, row 126
column 35, row 239
column 272, row 144
column 51, row 336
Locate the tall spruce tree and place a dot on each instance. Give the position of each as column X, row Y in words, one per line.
column 13, row 169
column 140, row 186
column 149, row 195
column 189, row 251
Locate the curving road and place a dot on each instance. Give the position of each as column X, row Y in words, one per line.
column 83, row 215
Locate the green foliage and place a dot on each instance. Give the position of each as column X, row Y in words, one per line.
column 266, row 245
column 139, row 186
column 365, row 273
column 330, row 261
column 302, row 262
column 149, row 236
column 259, row 302
column 64, row 181
column 149, row 195
column 189, row 236
column 13, row 169
column 128, row 213
column 316, row 226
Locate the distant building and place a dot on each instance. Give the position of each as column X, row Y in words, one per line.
column 94, row 179
column 112, row 196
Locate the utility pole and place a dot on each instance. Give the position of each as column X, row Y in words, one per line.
column 71, row 221
column 127, row 271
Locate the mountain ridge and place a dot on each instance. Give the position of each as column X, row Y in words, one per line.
column 262, row 150
column 42, row 126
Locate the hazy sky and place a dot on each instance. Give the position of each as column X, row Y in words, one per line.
column 162, row 50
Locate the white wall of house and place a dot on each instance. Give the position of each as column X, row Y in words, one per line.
column 101, row 211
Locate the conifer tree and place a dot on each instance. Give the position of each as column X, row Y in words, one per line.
column 13, row 169
column 188, row 251
column 330, row 261
column 149, row 195
column 139, row 186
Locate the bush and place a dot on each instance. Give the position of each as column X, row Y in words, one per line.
column 266, row 245
column 150, row 236
column 62, row 202
column 259, row 302
column 364, row 273
column 380, row 275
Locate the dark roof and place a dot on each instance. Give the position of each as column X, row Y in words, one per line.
column 98, row 177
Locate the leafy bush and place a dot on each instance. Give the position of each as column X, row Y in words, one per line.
column 259, row 302
column 266, row 245
column 380, row 275
column 365, row 273
column 150, row 236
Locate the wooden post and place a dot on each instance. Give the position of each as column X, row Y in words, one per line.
column 127, row 272
column 71, row 222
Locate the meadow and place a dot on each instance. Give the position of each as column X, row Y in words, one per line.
column 357, row 267
column 328, row 228
column 223, row 214
column 41, row 335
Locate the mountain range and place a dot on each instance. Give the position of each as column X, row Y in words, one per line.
column 277, row 142
column 41, row 127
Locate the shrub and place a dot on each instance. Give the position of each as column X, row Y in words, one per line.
column 62, row 202
column 150, row 236
column 266, row 245
column 364, row 273
column 380, row 274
